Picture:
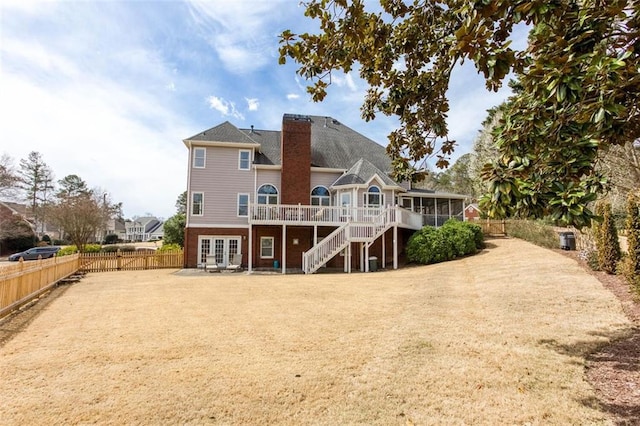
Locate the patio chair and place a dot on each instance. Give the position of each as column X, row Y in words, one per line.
column 211, row 265
column 236, row 261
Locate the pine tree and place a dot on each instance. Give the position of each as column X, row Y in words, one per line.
column 36, row 180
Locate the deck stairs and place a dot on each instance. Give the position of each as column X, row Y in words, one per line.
column 364, row 232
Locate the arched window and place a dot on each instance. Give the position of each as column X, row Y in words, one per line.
column 267, row 194
column 320, row 196
column 373, row 197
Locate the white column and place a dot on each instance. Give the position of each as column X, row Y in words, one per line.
column 283, row 261
column 435, row 205
column 384, row 250
column 366, row 257
column 395, row 247
column 250, row 248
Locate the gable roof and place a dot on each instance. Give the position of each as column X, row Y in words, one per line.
column 361, row 174
column 225, row 133
column 333, row 145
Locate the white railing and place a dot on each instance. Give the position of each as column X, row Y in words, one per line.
column 349, row 232
column 322, row 252
column 262, row 214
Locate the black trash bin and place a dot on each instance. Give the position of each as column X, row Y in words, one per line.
column 373, row 264
column 567, row 241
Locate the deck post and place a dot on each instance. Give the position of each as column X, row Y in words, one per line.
column 384, row 250
column 395, row 247
column 366, row 257
column 250, row 249
column 283, row 262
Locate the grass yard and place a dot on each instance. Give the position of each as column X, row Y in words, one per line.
column 497, row 338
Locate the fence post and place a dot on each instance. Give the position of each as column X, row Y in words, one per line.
column 118, row 260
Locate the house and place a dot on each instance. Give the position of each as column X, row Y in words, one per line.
column 144, row 229
column 14, row 228
column 472, row 212
column 40, row 228
column 115, row 226
column 315, row 194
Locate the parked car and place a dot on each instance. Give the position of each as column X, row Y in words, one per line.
column 33, row 253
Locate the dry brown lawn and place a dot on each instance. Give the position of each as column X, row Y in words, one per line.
column 497, row 338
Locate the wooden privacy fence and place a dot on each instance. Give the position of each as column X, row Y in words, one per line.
column 492, row 227
column 131, row 261
column 23, row 281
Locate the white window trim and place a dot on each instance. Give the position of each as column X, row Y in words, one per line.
column 204, row 158
column 273, row 247
column 345, row 211
column 238, row 205
column 320, row 197
column 277, row 194
column 202, row 204
column 240, row 159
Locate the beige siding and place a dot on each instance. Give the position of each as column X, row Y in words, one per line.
column 324, row 179
column 221, row 181
column 267, row 176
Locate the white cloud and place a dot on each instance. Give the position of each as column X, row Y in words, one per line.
column 292, row 96
column 226, row 108
column 239, row 31
column 252, row 103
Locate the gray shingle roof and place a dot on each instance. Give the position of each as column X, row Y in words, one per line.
column 361, row 173
column 333, row 145
column 225, row 132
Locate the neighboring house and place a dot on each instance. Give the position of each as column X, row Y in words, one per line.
column 315, row 194
column 144, row 229
column 116, row 226
column 13, row 225
column 472, row 212
column 40, row 228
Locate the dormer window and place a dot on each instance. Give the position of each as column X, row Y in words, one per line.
column 244, row 159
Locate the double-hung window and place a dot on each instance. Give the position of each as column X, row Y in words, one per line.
column 244, row 159
column 199, row 157
column 197, row 204
column 243, row 204
column 266, row 247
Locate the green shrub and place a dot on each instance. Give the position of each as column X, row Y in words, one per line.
column 431, row 245
column 89, row 248
column 111, row 239
column 127, row 249
column 631, row 268
column 607, row 241
column 536, row 232
column 169, row 247
column 592, row 260
column 110, row 249
column 460, row 237
column 65, row 251
column 46, row 239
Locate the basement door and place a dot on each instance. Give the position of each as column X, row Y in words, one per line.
column 223, row 248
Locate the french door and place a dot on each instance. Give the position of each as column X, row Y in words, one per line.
column 223, row 248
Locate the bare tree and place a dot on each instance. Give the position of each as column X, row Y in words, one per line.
column 621, row 164
column 80, row 216
column 8, row 176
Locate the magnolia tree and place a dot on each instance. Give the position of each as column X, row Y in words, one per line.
column 578, row 75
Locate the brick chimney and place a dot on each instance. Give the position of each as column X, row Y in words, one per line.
column 295, row 154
